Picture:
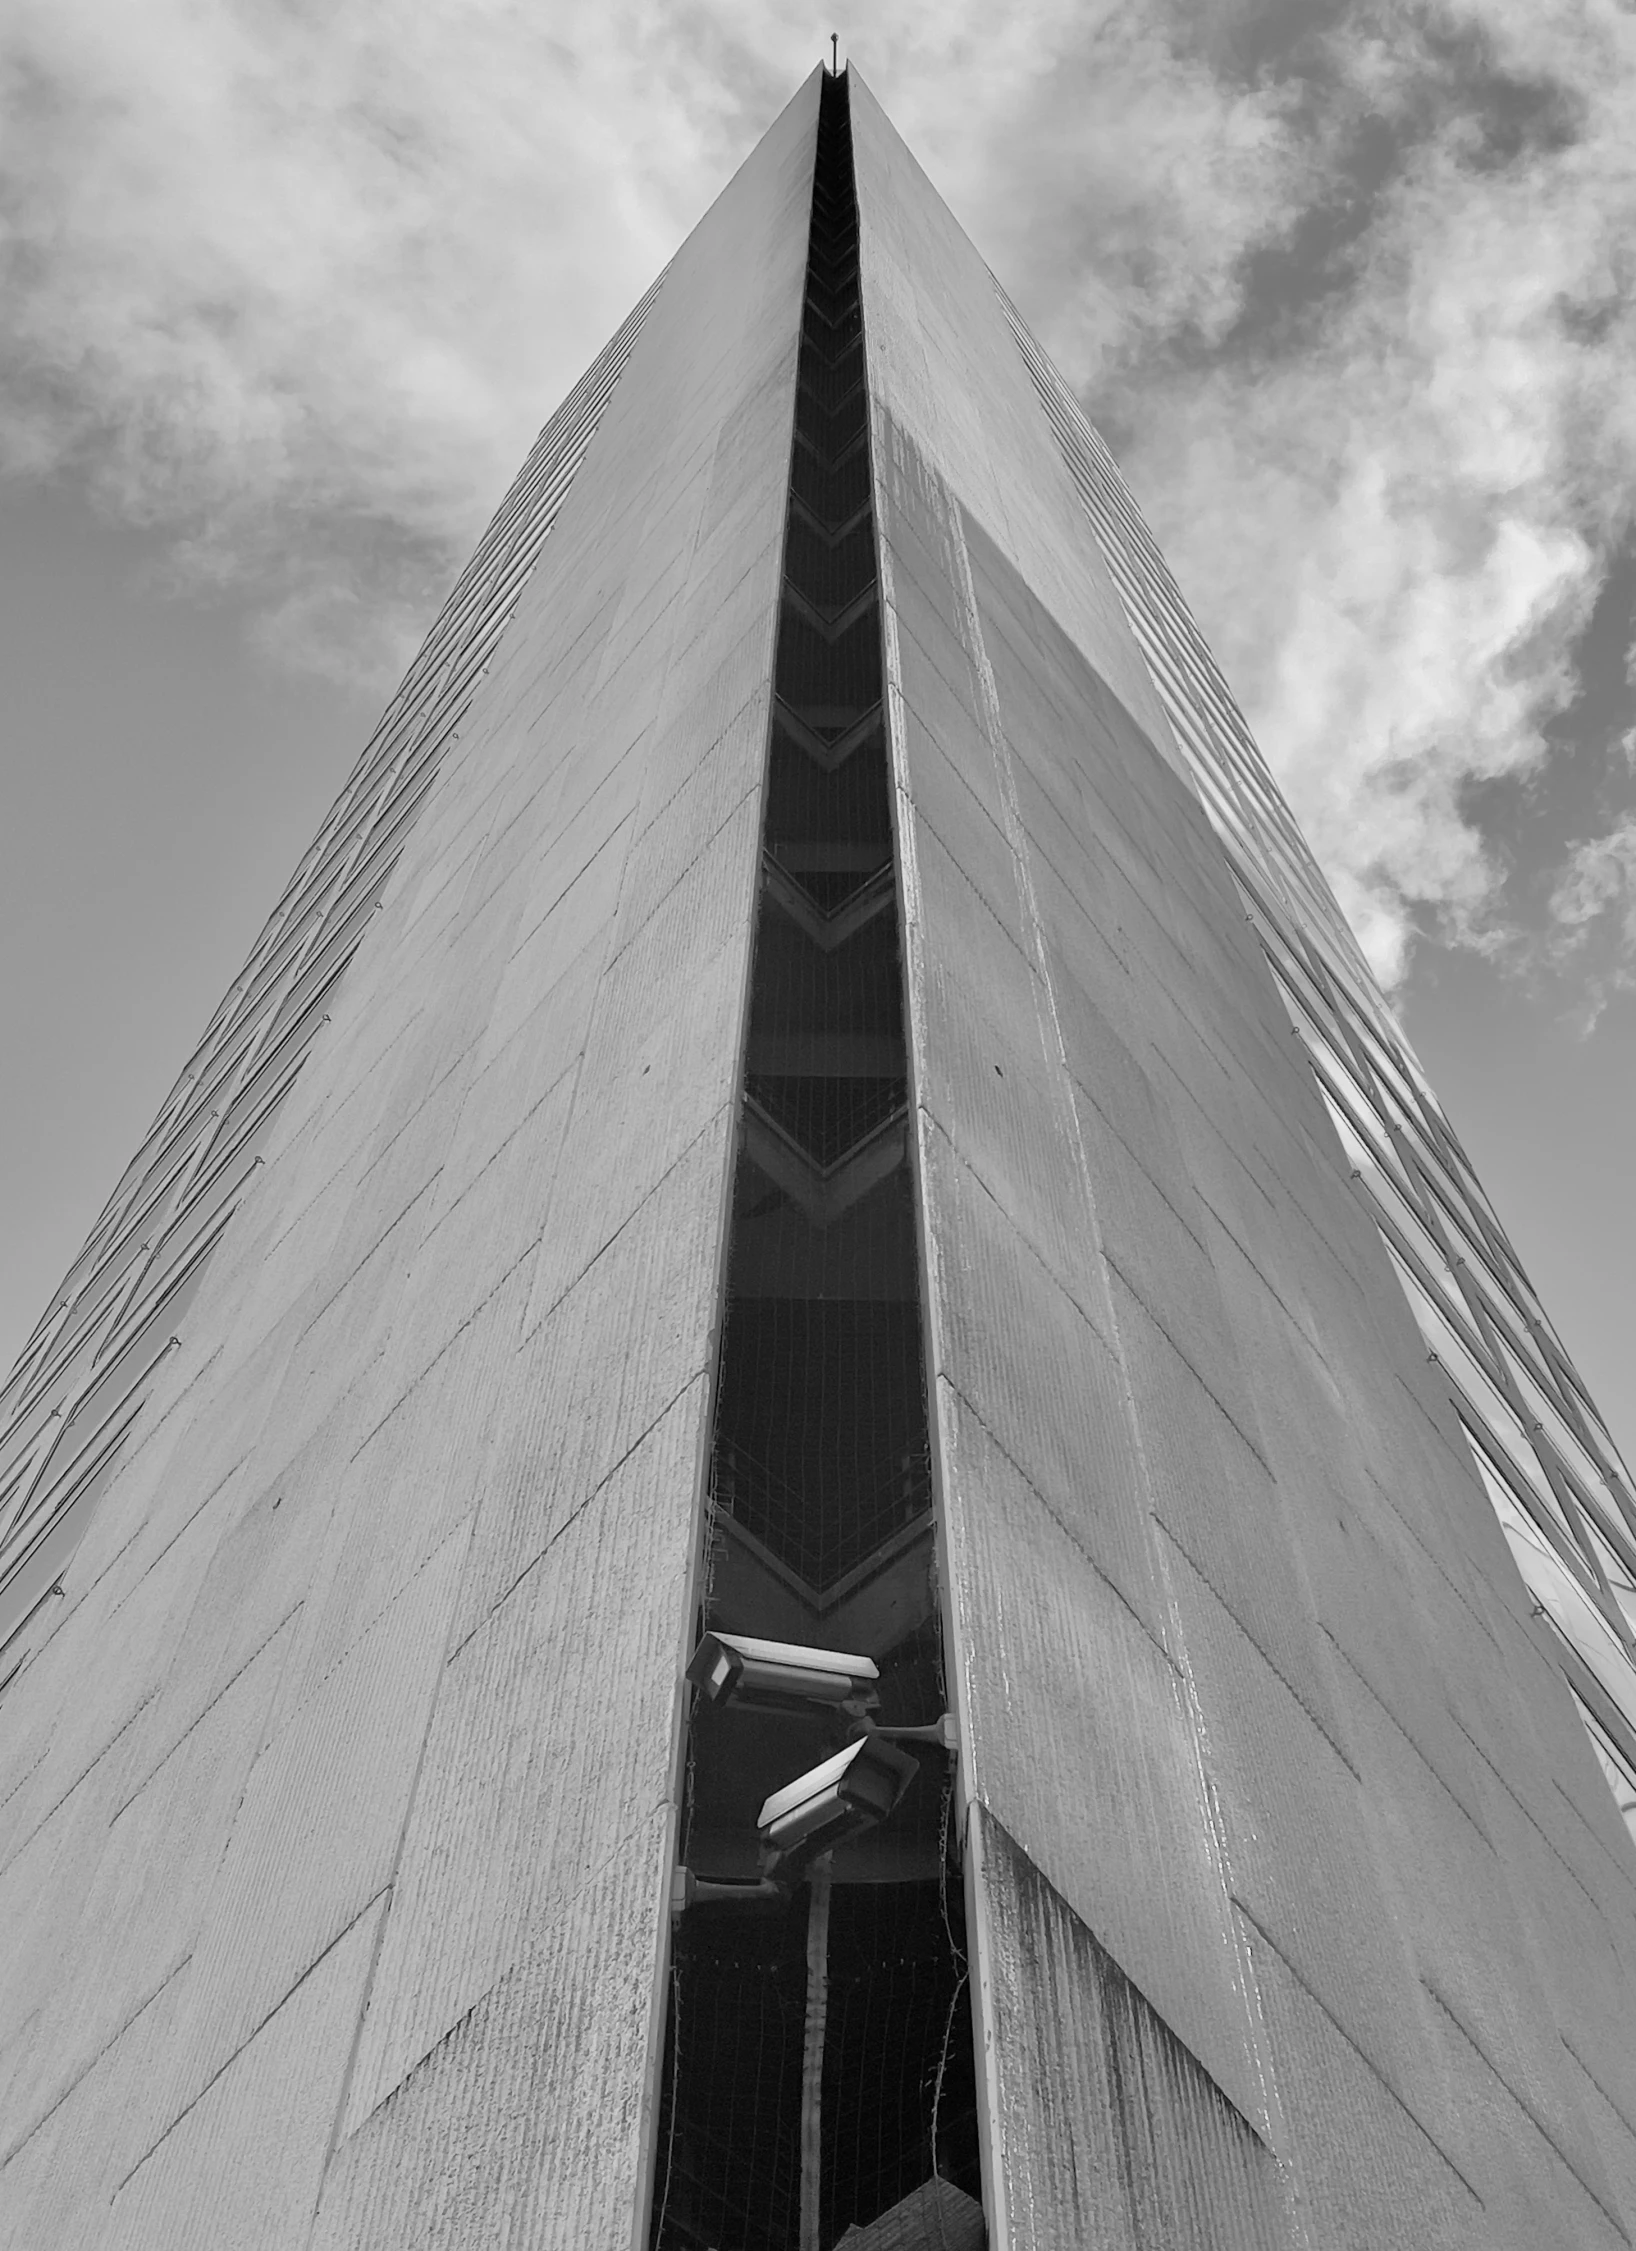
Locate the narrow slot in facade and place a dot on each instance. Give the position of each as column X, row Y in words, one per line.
column 819, row 2084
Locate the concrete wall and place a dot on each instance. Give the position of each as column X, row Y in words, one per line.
column 338, row 1811
column 1290, row 1853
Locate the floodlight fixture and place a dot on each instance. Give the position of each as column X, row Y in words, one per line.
column 833, row 1802
column 782, row 1676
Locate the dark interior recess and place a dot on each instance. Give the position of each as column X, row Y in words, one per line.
column 899, row 2097
column 819, row 2064
column 820, row 1451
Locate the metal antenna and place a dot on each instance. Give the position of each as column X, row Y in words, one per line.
column 835, row 54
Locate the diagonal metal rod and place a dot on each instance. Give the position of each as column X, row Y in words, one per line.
column 812, row 2056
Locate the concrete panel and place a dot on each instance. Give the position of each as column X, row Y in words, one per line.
column 263, row 1533
column 420, row 1469
column 1615, row 2138
column 962, row 924
column 988, row 1087
column 485, row 1234
column 523, row 1795
column 1531, row 2195
column 43, row 1892
column 1075, row 933
column 1581, row 1952
column 272, row 1631
column 541, row 1015
column 243, row 2165
column 335, row 1780
column 1162, row 1264
column 1109, row 2134
column 690, row 799
column 1218, row 1501
column 1082, row 1747
column 1470, row 1949
column 1046, row 1493
column 950, row 798
column 599, row 1369
column 1583, row 1824
column 57, row 2183
column 1301, row 1857
column 1365, row 2174
column 571, row 926
column 98, row 1717
column 940, row 351
column 524, row 2125
column 1038, row 1377
column 147, row 1893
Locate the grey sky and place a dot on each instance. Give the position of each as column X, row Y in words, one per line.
column 287, row 294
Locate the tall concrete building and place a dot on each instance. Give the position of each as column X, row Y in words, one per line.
column 800, row 1498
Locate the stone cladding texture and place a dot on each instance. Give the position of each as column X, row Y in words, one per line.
column 334, row 1902
column 1278, row 1803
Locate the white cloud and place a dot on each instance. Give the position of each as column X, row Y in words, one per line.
column 302, row 284
column 1111, row 176
column 1394, row 528
column 298, row 285
column 1600, row 874
column 1594, row 908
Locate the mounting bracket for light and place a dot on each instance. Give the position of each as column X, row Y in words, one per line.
column 688, row 1890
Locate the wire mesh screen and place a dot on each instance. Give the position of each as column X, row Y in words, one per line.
column 831, row 362
column 900, row 2087
column 825, row 681
column 819, row 2065
column 730, row 2109
column 833, row 486
column 898, row 2098
column 826, row 1058
column 830, row 568
column 826, row 1116
column 826, row 825
column 809, row 986
column 821, row 1446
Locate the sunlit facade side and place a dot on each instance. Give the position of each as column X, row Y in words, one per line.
column 86, row 1370
column 1543, row 1453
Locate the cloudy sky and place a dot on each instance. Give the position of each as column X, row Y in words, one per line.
column 286, row 290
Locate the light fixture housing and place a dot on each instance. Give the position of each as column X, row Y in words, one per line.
column 833, row 1802
column 781, row 1676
